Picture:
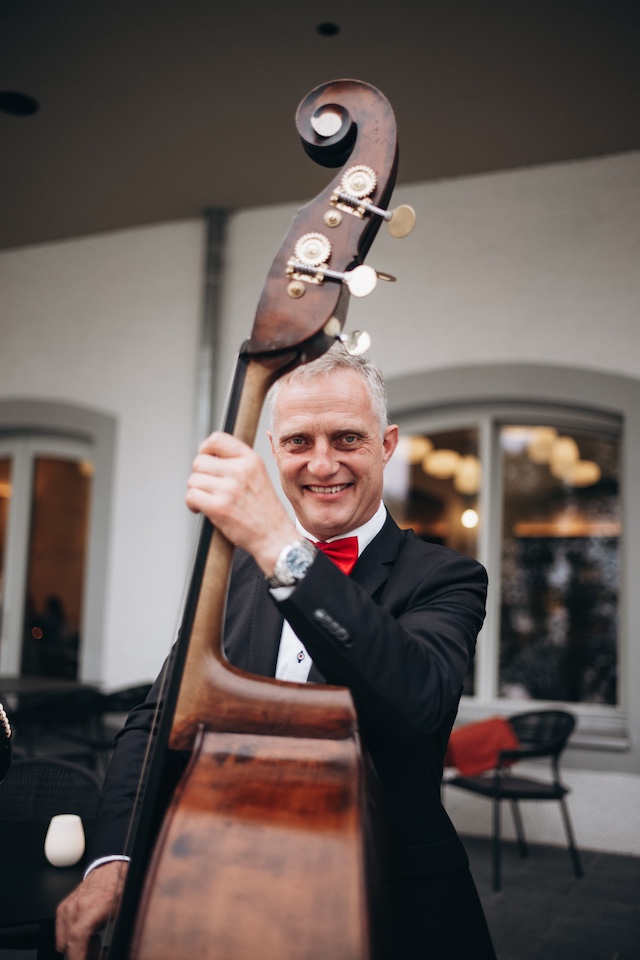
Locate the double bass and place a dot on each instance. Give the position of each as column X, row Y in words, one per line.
column 262, row 846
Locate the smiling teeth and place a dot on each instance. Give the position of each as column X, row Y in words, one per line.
column 336, row 489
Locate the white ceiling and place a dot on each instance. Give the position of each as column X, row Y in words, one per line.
column 152, row 110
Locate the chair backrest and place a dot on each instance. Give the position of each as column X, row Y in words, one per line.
column 39, row 789
column 126, row 699
column 544, row 730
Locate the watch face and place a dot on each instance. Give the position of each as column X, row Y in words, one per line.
column 298, row 561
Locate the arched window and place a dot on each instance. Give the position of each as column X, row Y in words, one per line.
column 45, row 497
column 525, row 467
column 534, row 493
column 56, row 464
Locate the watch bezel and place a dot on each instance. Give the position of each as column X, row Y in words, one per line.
column 286, row 573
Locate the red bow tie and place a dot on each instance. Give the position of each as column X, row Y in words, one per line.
column 344, row 553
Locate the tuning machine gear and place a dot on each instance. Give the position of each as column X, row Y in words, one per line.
column 354, row 196
column 308, row 265
column 312, row 249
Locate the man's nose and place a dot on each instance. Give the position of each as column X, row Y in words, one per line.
column 323, row 462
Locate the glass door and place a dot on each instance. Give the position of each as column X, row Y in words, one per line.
column 44, row 525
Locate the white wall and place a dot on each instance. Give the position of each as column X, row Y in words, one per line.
column 112, row 322
column 604, row 810
column 527, row 266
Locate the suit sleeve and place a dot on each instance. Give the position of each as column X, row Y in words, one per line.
column 119, row 794
column 404, row 652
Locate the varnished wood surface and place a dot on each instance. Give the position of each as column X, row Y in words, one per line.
column 267, row 844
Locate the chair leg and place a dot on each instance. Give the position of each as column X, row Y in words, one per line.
column 573, row 850
column 497, row 878
column 517, row 820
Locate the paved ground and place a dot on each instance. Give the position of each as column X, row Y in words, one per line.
column 543, row 912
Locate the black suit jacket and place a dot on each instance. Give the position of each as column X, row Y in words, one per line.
column 400, row 633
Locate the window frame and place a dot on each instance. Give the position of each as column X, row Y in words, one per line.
column 24, row 450
column 59, row 423
column 488, row 397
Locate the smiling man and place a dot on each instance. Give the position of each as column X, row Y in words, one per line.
column 341, row 596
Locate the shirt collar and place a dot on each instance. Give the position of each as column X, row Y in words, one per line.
column 364, row 533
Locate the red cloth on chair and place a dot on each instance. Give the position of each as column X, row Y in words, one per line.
column 475, row 748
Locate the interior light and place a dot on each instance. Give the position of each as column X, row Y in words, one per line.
column 413, row 448
column 469, row 519
column 328, row 29
column 17, row 104
column 441, row 463
column 541, row 443
column 564, row 452
column 466, row 478
column 584, row 473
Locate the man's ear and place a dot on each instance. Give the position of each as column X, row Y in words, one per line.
column 273, row 449
column 389, row 442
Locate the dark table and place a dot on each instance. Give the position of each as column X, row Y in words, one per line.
column 31, row 887
column 14, row 687
column 42, row 710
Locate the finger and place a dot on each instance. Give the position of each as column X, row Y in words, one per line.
column 221, row 444
column 61, row 930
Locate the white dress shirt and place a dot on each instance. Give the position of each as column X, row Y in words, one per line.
column 294, row 662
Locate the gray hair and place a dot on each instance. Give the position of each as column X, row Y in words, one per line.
column 337, row 358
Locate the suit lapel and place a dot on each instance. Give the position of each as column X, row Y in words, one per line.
column 375, row 564
column 371, row 571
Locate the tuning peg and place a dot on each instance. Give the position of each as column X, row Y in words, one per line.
column 401, row 221
column 361, row 280
column 355, row 343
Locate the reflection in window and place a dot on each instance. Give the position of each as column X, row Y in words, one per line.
column 432, row 485
column 5, row 496
column 560, row 564
column 59, row 530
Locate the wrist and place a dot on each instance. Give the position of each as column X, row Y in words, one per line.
column 292, row 563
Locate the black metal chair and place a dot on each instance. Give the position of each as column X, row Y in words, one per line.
column 60, row 725
column 36, row 790
column 111, row 713
column 79, row 727
column 543, row 734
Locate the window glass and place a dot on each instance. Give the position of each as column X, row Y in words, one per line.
column 55, row 566
column 5, row 496
column 560, row 564
column 432, row 484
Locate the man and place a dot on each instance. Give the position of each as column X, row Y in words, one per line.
column 399, row 627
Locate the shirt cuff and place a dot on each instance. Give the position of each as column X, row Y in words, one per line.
column 101, row 860
column 281, row 593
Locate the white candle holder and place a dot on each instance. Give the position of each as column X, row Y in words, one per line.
column 64, row 843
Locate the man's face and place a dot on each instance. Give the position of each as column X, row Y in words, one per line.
column 327, row 444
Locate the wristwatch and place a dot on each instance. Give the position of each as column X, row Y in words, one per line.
column 293, row 562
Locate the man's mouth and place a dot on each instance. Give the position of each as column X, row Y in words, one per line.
column 336, row 488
